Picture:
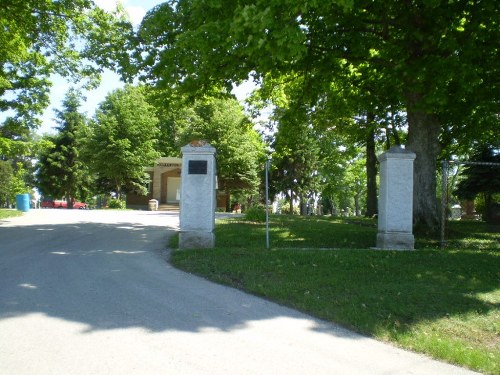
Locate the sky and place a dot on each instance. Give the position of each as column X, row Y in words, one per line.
column 110, row 81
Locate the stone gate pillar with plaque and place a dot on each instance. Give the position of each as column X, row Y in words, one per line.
column 198, row 196
column 395, row 205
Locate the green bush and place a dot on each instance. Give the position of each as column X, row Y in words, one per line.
column 284, row 208
column 256, row 213
column 117, row 203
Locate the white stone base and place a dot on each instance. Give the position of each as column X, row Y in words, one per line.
column 196, row 240
column 395, row 241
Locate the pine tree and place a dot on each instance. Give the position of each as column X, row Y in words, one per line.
column 482, row 179
column 60, row 169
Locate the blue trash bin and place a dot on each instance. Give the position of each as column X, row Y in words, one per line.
column 23, row 202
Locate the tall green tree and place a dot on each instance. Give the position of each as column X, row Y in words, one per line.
column 295, row 161
column 61, row 171
column 433, row 56
column 122, row 141
column 72, row 38
column 222, row 122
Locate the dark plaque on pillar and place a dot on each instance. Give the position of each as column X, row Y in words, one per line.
column 197, row 167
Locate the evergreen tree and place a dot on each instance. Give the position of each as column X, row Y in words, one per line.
column 482, row 178
column 61, row 172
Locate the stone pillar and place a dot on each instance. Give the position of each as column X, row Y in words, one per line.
column 395, row 212
column 197, row 204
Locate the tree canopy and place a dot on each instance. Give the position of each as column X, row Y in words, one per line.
column 222, row 122
column 122, row 141
column 73, row 38
column 434, row 59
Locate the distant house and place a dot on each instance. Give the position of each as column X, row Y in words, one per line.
column 165, row 186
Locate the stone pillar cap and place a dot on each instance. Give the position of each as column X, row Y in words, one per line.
column 198, row 146
column 397, row 152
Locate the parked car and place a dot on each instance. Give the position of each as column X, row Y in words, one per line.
column 63, row 204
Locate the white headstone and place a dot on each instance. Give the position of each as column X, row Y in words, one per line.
column 456, row 212
column 198, row 203
column 395, row 216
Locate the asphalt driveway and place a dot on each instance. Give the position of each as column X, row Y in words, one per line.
column 91, row 292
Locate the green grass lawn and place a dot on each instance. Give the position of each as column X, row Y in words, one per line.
column 6, row 213
column 441, row 302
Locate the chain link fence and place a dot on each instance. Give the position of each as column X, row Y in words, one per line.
column 454, row 167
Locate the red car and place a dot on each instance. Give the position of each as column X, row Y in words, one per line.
column 62, row 204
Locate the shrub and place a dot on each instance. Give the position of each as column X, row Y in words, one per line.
column 256, row 213
column 117, row 203
column 284, row 208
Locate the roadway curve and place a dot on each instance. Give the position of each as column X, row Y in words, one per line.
column 91, row 292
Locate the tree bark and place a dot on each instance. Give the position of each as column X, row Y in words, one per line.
column 357, row 207
column 371, row 169
column 423, row 133
column 302, row 206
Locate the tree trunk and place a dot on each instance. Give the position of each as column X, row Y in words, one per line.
column 118, row 191
column 302, row 205
column 371, row 169
column 69, row 202
column 423, row 133
column 488, row 206
column 357, row 207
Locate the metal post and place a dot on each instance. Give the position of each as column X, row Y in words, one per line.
column 444, row 201
column 267, row 203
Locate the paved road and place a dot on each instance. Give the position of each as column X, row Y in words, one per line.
column 90, row 292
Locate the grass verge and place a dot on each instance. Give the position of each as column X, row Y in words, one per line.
column 440, row 302
column 6, row 213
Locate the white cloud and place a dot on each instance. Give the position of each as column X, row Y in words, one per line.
column 108, row 5
column 135, row 12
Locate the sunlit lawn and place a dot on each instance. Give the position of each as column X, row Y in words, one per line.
column 441, row 302
column 6, row 213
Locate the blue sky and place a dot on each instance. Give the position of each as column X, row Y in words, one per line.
column 110, row 81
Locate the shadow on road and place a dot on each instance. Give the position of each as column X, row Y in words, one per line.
column 114, row 276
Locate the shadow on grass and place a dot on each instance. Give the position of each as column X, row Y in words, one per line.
column 363, row 289
column 316, row 232
column 463, row 234
column 297, row 232
column 449, row 295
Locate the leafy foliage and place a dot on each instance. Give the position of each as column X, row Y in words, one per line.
column 481, row 179
column 12, row 182
column 435, row 59
column 40, row 38
column 256, row 214
column 222, row 122
column 117, row 204
column 122, row 141
column 61, row 171
column 295, row 160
